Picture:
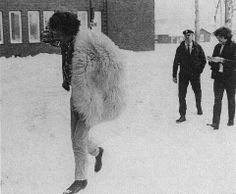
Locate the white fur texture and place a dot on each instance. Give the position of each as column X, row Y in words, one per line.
column 97, row 74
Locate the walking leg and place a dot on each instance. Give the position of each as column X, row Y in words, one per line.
column 183, row 84
column 196, row 86
column 218, row 93
column 230, row 91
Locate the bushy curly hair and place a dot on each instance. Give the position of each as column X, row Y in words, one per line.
column 65, row 22
column 224, row 32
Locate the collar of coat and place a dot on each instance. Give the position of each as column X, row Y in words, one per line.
column 229, row 42
column 194, row 44
column 183, row 47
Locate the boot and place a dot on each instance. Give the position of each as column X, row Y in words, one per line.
column 230, row 123
column 76, row 186
column 199, row 110
column 181, row 119
column 214, row 126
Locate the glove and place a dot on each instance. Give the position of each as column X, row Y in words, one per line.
column 174, row 79
column 66, row 86
column 47, row 36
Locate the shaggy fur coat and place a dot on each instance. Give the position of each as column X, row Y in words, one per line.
column 97, row 74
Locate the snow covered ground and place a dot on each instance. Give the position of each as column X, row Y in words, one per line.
column 146, row 152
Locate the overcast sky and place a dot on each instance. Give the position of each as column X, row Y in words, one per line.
column 182, row 13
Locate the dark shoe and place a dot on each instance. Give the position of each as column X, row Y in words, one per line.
column 76, row 187
column 214, row 126
column 181, row 119
column 98, row 162
column 230, row 123
column 199, row 111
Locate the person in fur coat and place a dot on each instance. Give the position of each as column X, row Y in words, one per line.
column 93, row 70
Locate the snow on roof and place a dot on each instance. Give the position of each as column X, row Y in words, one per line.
column 172, row 29
column 209, row 29
column 176, row 29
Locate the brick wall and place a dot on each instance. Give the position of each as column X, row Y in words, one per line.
column 131, row 23
column 25, row 48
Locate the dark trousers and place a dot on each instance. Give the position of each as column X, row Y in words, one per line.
column 183, row 85
column 219, row 87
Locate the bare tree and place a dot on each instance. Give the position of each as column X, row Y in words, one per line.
column 197, row 28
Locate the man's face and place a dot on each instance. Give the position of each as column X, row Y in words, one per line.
column 221, row 39
column 58, row 35
column 188, row 37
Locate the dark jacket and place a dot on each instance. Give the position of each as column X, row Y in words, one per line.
column 229, row 64
column 67, row 50
column 190, row 64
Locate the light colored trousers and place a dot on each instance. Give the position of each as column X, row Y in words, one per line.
column 81, row 144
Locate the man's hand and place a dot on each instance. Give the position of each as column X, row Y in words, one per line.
column 47, row 36
column 66, row 86
column 175, row 80
column 215, row 59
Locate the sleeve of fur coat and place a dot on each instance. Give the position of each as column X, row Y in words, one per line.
column 97, row 74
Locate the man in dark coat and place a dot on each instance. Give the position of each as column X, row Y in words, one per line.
column 191, row 59
column 223, row 66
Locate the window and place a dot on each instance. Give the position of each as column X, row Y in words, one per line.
column 83, row 17
column 33, row 26
column 15, row 26
column 201, row 37
column 46, row 17
column 97, row 21
column 1, row 29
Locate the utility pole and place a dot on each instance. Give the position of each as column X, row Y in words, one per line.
column 197, row 30
column 229, row 10
column 228, row 13
column 218, row 7
column 91, row 14
column 232, row 12
column 221, row 14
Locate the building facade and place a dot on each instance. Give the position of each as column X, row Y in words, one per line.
column 129, row 24
column 205, row 36
column 163, row 38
